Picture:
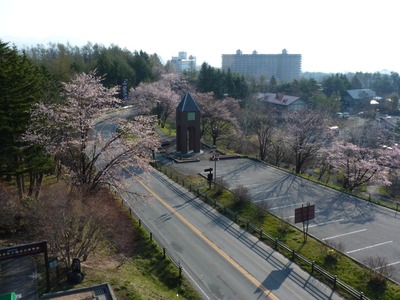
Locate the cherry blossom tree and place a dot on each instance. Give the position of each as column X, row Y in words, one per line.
column 262, row 124
column 307, row 132
column 218, row 117
column 75, row 226
column 160, row 97
column 278, row 149
column 73, row 132
column 360, row 165
column 369, row 135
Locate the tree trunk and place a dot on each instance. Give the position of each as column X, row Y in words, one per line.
column 20, row 186
column 32, row 179
column 38, row 185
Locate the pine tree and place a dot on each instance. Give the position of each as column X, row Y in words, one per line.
column 20, row 87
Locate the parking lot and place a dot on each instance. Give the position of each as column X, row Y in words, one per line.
column 360, row 227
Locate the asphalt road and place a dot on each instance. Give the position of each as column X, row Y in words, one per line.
column 361, row 228
column 219, row 258
column 19, row 275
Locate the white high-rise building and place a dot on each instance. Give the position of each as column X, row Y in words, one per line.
column 284, row 67
column 183, row 63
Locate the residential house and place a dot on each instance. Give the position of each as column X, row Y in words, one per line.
column 281, row 101
column 358, row 100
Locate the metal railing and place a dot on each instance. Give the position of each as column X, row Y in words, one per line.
column 165, row 251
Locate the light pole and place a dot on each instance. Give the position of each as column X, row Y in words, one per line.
column 215, row 158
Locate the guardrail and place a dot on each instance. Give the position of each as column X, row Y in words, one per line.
column 165, row 251
column 271, row 241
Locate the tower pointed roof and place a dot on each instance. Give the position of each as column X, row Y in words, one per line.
column 188, row 104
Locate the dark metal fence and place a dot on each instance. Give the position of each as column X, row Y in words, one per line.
column 165, row 251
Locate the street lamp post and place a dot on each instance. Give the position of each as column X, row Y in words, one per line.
column 215, row 158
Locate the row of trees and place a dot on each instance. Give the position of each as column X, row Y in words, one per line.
column 305, row 140
column 117, row 64
column 221, row 83
column 22, row 84
column 301, row 138
column 64, row 61
column 45, row 124
column 41, row 117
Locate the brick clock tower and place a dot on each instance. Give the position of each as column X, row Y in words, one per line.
column 188, row 125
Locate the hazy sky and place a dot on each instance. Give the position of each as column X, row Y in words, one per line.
column 332, row 36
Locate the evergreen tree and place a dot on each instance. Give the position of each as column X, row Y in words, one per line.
column 335, row 84
column 21, row 85
column 355, row 83
column 221, row 83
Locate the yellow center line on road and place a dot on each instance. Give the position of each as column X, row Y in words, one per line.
column 210, row 243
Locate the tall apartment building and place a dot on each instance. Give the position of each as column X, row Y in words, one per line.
column 182, row 63
column 284, row 67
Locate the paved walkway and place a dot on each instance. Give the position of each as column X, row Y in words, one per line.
column 19, row 275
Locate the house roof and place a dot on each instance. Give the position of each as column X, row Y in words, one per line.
column 391, row 121
column 188, row 104
column 361, row 93
column 279, row 99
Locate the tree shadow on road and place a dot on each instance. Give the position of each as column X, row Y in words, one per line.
column 283, row 269
column 277, row 277
column 348, row 209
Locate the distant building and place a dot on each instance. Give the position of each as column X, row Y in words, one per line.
column 282, row 102
column 284, row 67
column 183, row 63
column 357, row 100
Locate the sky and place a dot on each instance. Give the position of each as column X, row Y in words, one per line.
column 333, row 36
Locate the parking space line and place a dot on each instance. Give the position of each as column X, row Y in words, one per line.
column 344, row 234
column 395, row 263
column 272, row 198
column 372, row 246
column 324, row 223
column 388, row 265
column 278, row 207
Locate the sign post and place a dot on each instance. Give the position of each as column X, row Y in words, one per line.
column 304, row 214
column 209, row 176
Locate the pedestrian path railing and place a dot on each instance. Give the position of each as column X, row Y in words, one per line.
column 165, row 251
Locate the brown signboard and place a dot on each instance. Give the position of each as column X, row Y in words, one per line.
column 28, row 249
column 22, row 250
column 304, row 213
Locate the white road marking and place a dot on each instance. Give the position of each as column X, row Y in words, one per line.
column 272, row 198
column 395, row 263
column 34, row 275
column 391, row 264
column 376, row 245
column 329, row 222
column 344, row 234
column 278, row 207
